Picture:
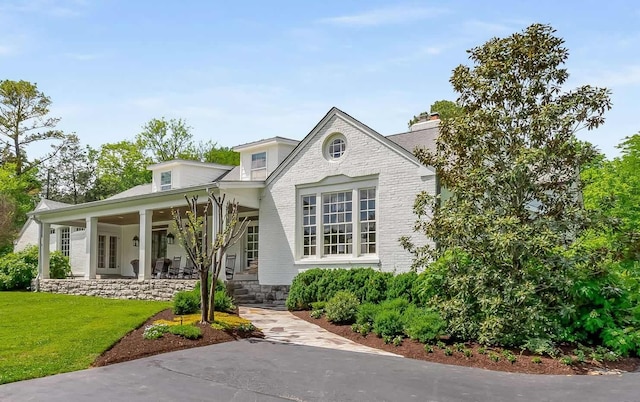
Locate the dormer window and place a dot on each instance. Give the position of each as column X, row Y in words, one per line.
column 165, row 180
column 259, row 166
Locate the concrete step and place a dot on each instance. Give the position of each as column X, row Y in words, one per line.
column 240, row 291
column 245, row 299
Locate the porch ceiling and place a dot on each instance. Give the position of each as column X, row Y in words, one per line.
column 164, row 214
column 133, row 218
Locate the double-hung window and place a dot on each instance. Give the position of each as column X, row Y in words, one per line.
column 165, row 180
column 336, row 223
column 259, row 166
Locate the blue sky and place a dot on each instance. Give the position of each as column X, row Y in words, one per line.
column 245, row 70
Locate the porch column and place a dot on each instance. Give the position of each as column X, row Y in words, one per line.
column 43, row 250
column 145, row 258
column 91, row 247
column 215, row 224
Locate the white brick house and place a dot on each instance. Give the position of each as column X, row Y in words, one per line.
column 340, row 197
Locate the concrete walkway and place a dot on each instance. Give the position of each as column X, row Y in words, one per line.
column 284, row 327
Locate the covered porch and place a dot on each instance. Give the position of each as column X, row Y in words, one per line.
column 135, row 238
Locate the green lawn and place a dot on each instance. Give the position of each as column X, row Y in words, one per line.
column 43, row 333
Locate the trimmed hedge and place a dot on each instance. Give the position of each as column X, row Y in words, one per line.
column 319, row 284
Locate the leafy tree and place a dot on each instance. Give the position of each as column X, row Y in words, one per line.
column 118, row 166
column 613, row 189
column 69, row 176
column 165, row 140
column 210, row 152
column 207, row 254
column 17, row 197
column 445, row 108
column 510, row 161
column 24, row 120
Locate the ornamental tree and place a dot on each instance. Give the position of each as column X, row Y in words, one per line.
column 509, row 163
column 205, row 253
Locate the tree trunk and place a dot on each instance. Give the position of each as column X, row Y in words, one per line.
column 204, row 296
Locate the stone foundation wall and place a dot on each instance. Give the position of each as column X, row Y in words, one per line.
column 256, row 293
column 154, row 289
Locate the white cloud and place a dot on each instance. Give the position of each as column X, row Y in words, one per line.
column 54, row 8
column 6, row 50
column 84, row 56
column 626, row 76
column 492, row 28
column 385, row 16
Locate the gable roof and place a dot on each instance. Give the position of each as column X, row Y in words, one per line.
column 277, row 140
column 133, row 191
column 425, row 138
column 335, row 112
column 177, row 162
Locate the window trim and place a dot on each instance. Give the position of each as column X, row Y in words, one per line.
column 319, row 257
column 252, row 170
column 328, row 153
column 65, row 241
column 166, row 186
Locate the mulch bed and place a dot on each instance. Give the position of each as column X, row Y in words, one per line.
column 415, row 350
column 133, row 346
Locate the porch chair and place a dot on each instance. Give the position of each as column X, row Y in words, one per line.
column 188, row 271
column 158, row 268
column 174, row 268
column 230, row 266
column 136, row 267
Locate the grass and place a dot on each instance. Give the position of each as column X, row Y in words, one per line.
column 44, row 334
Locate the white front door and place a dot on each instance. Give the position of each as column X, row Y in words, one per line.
column 108, row 254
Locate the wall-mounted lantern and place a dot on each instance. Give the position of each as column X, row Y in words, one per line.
column 171, row 238
column 136, row 241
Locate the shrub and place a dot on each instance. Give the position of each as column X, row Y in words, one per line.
column 540, row 346
column 342, row 307
column 388, row 323
column 367, row 313
column 155, row 331
column 318, row 284
column 186, row 331
column 397, row 340
column 400, row 305
column 318, row 305
column 59, row 267
column 422, row 324
column 448, row 351
column 536, row 360
column 17, row 270
column 401, row 285
column 222, row 301
column 316, row 313
column 15, row 274
column 186, row 303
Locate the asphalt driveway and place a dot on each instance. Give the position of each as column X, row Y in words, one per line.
column 268, row 371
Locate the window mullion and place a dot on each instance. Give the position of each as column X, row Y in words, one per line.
column 319, row 226
column 355, row 221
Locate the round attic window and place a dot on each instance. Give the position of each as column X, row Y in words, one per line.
column 335, row 147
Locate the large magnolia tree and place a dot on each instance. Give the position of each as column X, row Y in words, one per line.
column 510, row 162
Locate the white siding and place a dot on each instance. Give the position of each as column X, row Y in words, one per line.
column 186, row 175
column 28, row 237
column 77, row 253
column 399, row 181
column 276, row 153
